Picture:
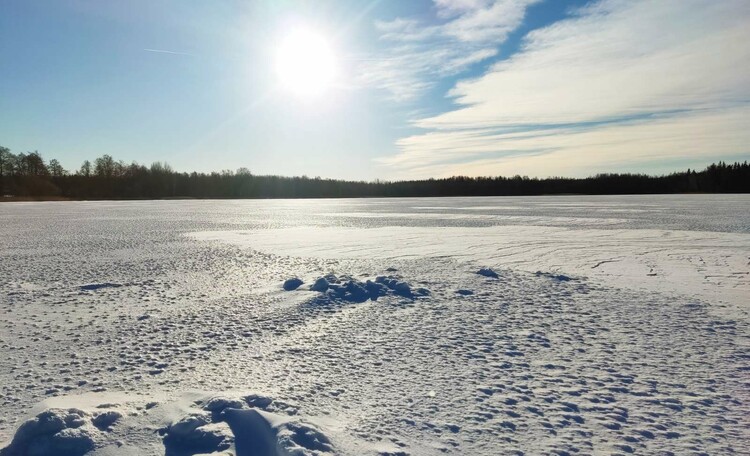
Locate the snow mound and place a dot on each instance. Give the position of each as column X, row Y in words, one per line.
column 267, row 434
column 196, row 433
column 251, row 425
column 192, row 424
column 347, row 289
column 60, row 432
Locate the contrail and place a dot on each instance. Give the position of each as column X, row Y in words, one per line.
column 162, row 51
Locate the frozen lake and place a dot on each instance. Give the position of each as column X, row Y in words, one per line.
column 616, row 324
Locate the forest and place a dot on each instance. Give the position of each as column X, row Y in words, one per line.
column 29, row 176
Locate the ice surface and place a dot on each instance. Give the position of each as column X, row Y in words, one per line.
column 632, row 337
column 695, row 264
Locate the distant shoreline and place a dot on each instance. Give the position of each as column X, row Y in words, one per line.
column 46, row 199
column 27, row 177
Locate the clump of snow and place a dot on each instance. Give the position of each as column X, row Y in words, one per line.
column 347, row 289
column 263, row 433
column 97, row 286
column 188, row 425
column 256, row 400
column 196, row 433
column 302, row 438
column 558, row 277
column 216, row 405
column 320, row 285
column 398, row 287
column 487, row 272
column 54, row 432
column 292, row 284
column 253, row 425
column 401, row 288
column 104, row 420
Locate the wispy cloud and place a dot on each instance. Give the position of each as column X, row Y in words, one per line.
column 622, row 82
column 163, row 51
column 463, row 33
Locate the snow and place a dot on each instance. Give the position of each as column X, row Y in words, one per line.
column 292, row 284
column 189, row 424
column 394, row 342
column 54, row 432
column 347, row 289
column 699, row 265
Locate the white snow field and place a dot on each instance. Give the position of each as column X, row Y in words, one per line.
column 468, row 326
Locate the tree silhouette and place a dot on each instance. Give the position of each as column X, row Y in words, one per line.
column 55, row 169
column 85, row 169
column 26, row 174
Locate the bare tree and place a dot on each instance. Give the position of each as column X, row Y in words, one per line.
column 32, row 164
column 5, row 161
column 104, row 166
column 85, row 169
column 56, row 169
column 161, row 168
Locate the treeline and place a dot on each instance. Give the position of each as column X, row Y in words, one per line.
column 29, row 175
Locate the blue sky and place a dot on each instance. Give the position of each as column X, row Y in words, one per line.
column 422, row 88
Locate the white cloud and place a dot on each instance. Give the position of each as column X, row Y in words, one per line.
column 487, row 23
column 452, row 8
column 465, row 32
column 711, row 134
column 653, row 80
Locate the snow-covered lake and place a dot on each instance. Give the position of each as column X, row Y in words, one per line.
column 616, row 324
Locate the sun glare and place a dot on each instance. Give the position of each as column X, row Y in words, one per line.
column 305, row 63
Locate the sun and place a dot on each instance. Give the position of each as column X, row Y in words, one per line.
column 305, row 63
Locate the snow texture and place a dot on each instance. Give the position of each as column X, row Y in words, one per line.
column 141, row 327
